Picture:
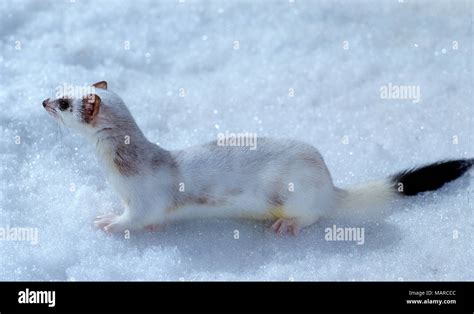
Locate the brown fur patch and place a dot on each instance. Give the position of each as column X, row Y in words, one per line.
column 277, row 193
column 190, row 200
column 276, row 199
column 163, row 158
column 125, row 159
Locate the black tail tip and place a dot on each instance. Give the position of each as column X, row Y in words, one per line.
column 430, row 177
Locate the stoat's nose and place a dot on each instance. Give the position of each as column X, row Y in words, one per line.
column 45, row 102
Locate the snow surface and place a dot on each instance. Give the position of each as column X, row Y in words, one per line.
column 282, row 45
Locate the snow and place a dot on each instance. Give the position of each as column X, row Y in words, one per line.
column 51, row 180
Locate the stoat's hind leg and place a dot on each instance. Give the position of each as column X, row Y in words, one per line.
column 292, row 225
column 113, row 223
column 286, row 225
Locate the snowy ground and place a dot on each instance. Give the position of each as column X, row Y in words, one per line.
column 52, row 181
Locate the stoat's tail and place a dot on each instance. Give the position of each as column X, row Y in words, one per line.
column 368, row 199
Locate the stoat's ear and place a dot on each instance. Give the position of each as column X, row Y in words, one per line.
column 101, row 84
column 90, row 107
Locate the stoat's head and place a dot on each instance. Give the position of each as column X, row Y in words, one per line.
column 90, row 110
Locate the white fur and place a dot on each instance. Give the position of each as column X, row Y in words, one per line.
column 218, row 181
column 365, row 200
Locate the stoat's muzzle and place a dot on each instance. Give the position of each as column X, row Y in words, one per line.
column 48, row 105
column 45, row 102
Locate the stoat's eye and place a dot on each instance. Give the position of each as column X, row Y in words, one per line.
column 63, row 104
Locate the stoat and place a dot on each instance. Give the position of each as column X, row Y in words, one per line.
column 284, row 181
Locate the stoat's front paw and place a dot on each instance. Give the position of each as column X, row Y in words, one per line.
column 111, row 223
